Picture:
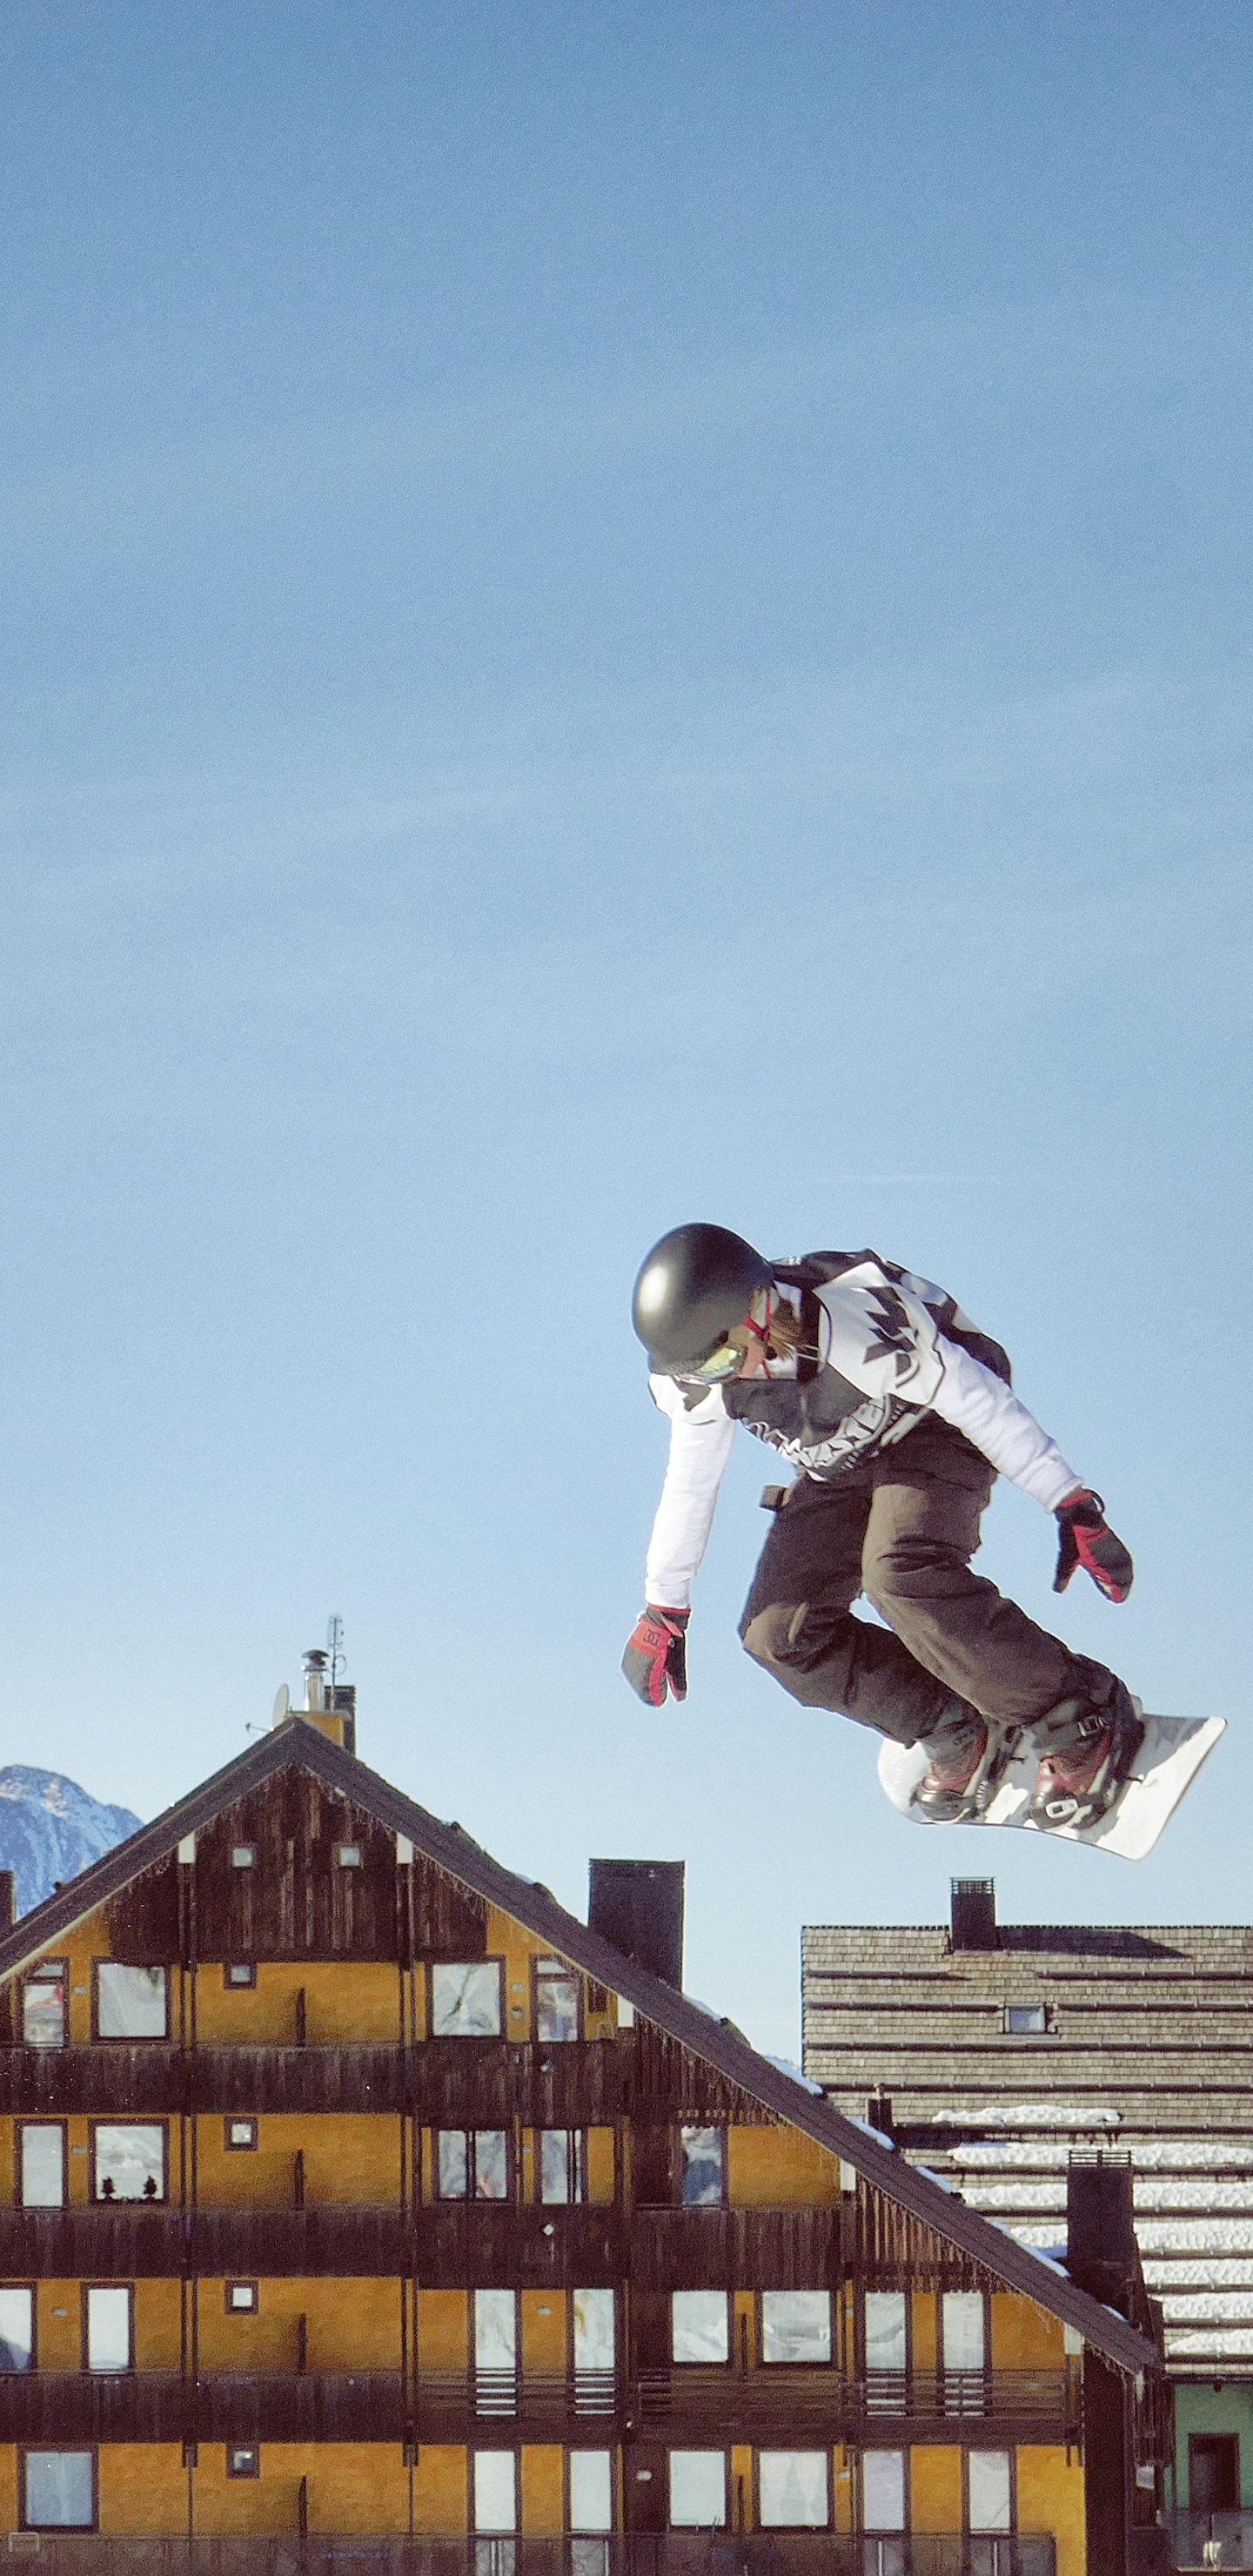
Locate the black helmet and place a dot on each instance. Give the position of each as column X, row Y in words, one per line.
column 695, row 1287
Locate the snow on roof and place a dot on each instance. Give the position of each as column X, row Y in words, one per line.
column 788, row 2066
column 1029, row 2115
column 1181, row 2155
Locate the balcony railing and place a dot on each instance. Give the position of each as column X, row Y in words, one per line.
column 689, row 2404
column 810, row 2553
column 453, row 2083
column 1211, row 2539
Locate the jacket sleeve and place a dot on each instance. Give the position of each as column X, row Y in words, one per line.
column 700, row 1445
column 982, row 1406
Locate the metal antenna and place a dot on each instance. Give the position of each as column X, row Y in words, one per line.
column 335, row 1646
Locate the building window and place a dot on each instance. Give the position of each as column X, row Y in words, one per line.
column 348, row 1855
column 17, row 2327
column 243, row 2459
column 1213, row 2472
column 962, row 2328
column 130, row 2002
column 44, row 2025
column 556, row 2001
column 241, row 2136
column 562, row 2166
column 796, row 2325
column 703, row 2159
column 244, row 1856
column 58, row 2490
column 592, row 2339
column 793, row 2490
column 990, row 2488
column 41, row 2164
column 1021, row 2020
column 591, row 2491
column 495, row 2352
column 472, row 2164
column 129, row 2160
column 698, row 2490
column 495, row 2491
column 886, row 2330
column 243, row 2298
column 700, row 2325
column 109, row 2327
column 465, row 2001
column 883, row 2490
column 239, row 1972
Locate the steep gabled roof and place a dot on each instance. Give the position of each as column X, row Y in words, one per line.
column 719, row 2043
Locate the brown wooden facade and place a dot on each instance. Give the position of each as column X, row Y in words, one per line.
column 359, row 2190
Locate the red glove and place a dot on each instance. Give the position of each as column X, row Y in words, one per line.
column 656, row 1653
column 1087, row 1540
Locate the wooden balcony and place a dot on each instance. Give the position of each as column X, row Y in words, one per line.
column 747, row 2249
column 672, row 2553
column 453, row 2083
column 453, row 2244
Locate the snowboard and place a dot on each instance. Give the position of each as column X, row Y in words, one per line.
column 1165, row 1767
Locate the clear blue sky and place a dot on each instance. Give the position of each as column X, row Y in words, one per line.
column 612, row 614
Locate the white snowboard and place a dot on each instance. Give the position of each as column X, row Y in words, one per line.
column 1166, row 1766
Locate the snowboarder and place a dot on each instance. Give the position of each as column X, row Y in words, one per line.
column 898, row 1415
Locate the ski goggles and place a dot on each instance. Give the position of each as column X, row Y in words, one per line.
column 728, row 1358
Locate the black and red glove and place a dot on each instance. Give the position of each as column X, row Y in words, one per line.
column 656, row 1654
column 1086, row 1539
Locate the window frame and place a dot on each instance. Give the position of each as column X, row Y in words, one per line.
column 240, row 2146
column 875, row 2531
column 483, row 2038
column 812, row 2450
column 230, row 2307
column 42, row 1975
column 562, row 1973
column 250, row 2451
column 576, row 2159
column 492, row 2451
column 65, row 2450
column 728, row 2300
column 1002, row 2450
column 32, row 2288
column 19, row 2126
column 594, row 2451
column 350, row 1855
column 100, row 2200
column 239, row 1976
column 237, row 1851
column 119, row 2039
column 701, row 2128
column 946, row 2369
column 1026, row 2030
column 906, row 2367
column 832, row 2329
column 686, row 2450
column 84, row 2311
column 471, row 2197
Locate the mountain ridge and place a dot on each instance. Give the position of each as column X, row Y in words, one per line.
column 51, row 1829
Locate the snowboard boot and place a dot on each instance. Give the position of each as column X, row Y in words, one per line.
column 962, row 1751
column 1080, row 1781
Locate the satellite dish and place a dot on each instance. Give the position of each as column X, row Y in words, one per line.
column 282, row 1702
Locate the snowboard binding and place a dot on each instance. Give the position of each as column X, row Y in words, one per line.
column 952, row 1793
column 1063, row 1796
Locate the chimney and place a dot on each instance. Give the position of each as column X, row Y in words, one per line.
column 638, row 1905
column 330, row 1706
column 879, row 2114
column 972, row 1914
column 1101, row 2251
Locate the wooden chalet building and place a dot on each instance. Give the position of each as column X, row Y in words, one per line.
column 363, row 2207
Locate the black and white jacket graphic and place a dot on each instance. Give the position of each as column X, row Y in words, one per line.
column 886, row 1348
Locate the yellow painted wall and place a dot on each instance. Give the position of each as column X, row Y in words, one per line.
column 600, row 2173
column 543, row 2487
column 1024, row 2337
column 443, row 2335
column 58, row 2325
column 740, row 2487
column 351, row 2326
column 441, row 2494
column 543, row 2329
column 143, row 2487
column 345, row 2000
column 158, row 2342
column 1050, row 2498
column 779, row 2168
column 349, row 2156
column 935, row 2476
column 8, row 2486
column 926, row 2340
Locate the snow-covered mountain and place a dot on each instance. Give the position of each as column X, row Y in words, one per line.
column 50, row 1829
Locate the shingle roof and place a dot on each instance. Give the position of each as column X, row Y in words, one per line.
column 719, row 2043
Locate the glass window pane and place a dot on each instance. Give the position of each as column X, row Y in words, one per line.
column 591, row 2491
column 495, row 2331
column 495, row 2491
column 454, row 2164
column 108, row 2329
column 130, row 2002
column 883, row 2488
column 793, row 2490
column 42, row 2167
column 795, row 2325
column 43, row 2024
column 699, row 2325
column 698, row 2490
column 465, row 2001
column 963, row 2330
column 17, row 2329
column 59, row 2490
column 989, row 2491
column 491, row 2164
column 561, row 2165
column 885, row 2332
column 593, row 2329
column 702, row 2152
column 556, row 2002
column 130, row 2161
